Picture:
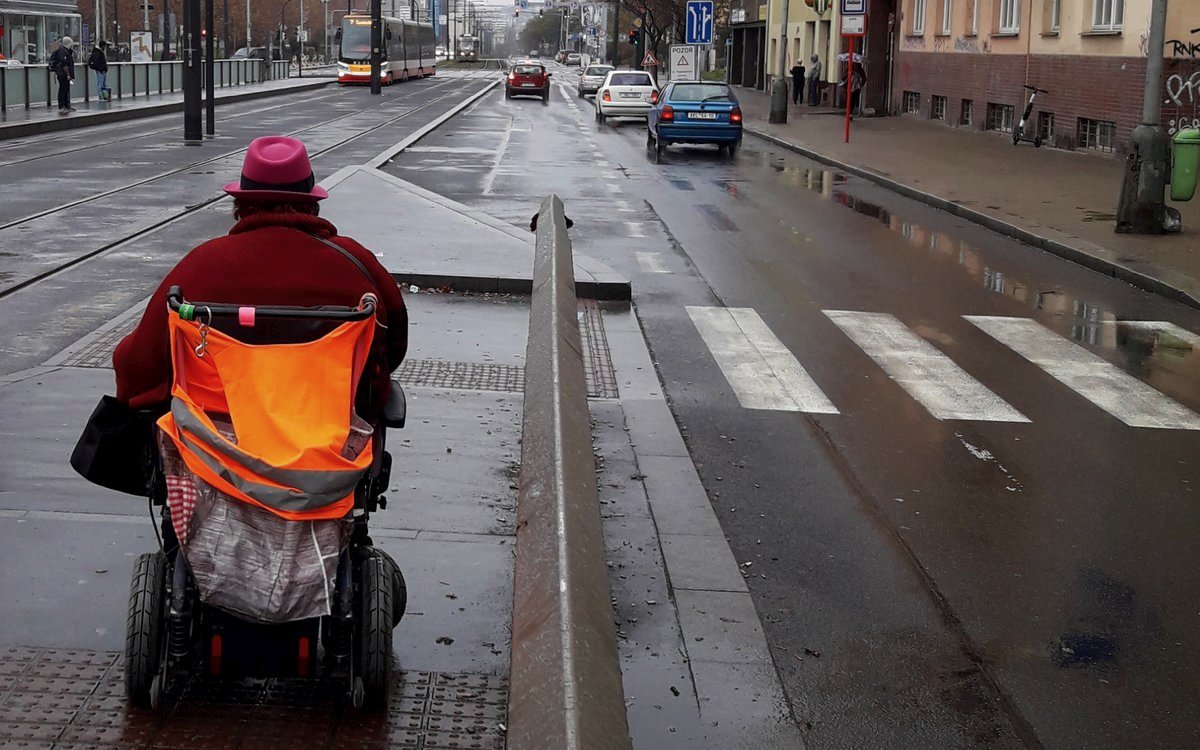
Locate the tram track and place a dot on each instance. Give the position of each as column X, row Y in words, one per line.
column 191, row 209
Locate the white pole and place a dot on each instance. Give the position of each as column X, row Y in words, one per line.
column 247, row 25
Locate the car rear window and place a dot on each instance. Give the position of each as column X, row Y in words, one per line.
column 528, row 70
column 597, row 70
column 629, row 79
column 698, row 92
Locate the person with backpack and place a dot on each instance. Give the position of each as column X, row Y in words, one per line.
column 62, row 64
column 98, row 61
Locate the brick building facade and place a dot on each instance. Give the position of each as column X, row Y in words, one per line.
column 965, row 61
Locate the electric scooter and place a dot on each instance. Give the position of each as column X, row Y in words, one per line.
column 1019, row 132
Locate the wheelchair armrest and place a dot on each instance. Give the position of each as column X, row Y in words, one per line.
column 395, row 408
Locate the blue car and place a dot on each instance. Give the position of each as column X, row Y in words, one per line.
column 695, row 112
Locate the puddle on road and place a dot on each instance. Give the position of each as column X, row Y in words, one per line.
column 1087, row 322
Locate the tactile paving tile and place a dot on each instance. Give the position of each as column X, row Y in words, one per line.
column 597, row 357
column 71, row 700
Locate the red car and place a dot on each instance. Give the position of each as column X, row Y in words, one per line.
column 528, row 79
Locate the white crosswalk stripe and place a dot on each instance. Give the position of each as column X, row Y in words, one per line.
column 759, row 368
column 1105, row 385
column 928, row 375
column 650, row 262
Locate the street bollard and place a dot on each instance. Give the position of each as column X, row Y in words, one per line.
column 1185, row 165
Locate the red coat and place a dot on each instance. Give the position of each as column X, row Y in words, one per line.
column 262, row 261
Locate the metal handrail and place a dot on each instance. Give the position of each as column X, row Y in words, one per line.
column 26, row 86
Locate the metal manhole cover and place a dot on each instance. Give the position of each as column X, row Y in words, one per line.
column 58, row 699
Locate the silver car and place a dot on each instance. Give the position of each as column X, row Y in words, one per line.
column 590, row 79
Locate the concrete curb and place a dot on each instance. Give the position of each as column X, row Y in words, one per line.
column 135, row 113
column 605, row 284
column 565, row 680
column 1069, row 252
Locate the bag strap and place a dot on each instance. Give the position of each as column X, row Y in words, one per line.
column 345, row 254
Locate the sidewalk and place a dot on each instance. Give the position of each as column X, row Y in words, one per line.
column 17, row 122
column 1060, row 201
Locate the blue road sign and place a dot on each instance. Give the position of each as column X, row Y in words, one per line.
column 854, row 7
column 699, row 22
column 524, row 4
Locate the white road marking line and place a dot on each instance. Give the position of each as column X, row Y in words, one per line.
column 1160, row 326
column 1105, row 385
column 634, row 228
column 490, row 179
column 928, row 375
column 650, row 262
column 759, row 368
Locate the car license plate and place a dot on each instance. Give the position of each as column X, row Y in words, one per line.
column 630, row 95
column 702, row 115
column 528, row 85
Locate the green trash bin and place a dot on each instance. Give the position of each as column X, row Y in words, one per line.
column 1185, row 165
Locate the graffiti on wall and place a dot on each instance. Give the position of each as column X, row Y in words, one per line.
column 966, row 44
column 1182, row 91
column 1181, row 94
column 913, row 42
column 1180, row 48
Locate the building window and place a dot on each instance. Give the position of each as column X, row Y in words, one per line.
column 912, row 101
column 1046, row 126
column 918, row 19
column 965, row 117
column 1000, row 117
column 947, row 16
column 1097, row 135
column 1108, row 15
column 937, row 109
column 974, row 17
column 1056, row 14
column 1010, row 16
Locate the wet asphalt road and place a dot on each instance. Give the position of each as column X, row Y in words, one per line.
column 1022, row 576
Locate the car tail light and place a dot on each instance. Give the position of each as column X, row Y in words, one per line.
column 606, row 97
column 667, row 114
column 654, row 97
column 512, row 76
column 736, row 115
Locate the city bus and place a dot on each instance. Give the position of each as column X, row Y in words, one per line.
column 408, row 50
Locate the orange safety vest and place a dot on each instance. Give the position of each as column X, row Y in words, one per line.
column 299, row 449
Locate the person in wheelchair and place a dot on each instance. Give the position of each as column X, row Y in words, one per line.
column 266, row 356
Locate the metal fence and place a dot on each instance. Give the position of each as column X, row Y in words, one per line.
column 35, row 86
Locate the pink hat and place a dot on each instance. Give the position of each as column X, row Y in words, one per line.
column 276, row 168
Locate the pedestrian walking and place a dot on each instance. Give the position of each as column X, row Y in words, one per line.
column 814, row 81
column 62, row 64
column 857, row 75
column 98, row 61
column 798, row 83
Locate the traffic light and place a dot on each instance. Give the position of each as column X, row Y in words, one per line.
column 633, row 37
column 203, row 33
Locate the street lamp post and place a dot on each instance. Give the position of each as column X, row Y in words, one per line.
column 325, row 13
column 247, row 26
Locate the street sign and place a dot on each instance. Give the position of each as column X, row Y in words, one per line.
column 649, row 61
column 854, row 7
column 524, row 4
column 683, row 62
column 854, row 25
column 737, row 15
column 549, row 4
column 699, row 22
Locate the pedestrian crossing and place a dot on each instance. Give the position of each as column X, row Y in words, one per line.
column 764, row 374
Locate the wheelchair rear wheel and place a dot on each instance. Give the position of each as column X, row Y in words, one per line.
column 145, row 631
column 375, row 630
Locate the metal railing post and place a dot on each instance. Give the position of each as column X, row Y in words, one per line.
column 49, row 86
column 26, row 77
